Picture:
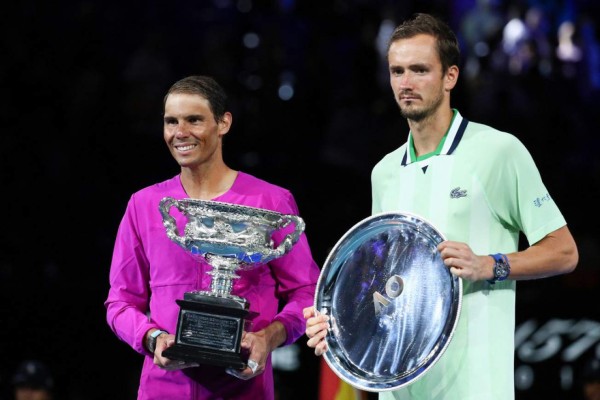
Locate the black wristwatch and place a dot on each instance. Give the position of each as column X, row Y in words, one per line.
column 501, row 268
column 152, row 339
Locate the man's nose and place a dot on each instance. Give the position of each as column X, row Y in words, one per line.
column 405, row 81
column 181, row 130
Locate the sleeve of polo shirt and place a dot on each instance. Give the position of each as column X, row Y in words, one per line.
column 519, row 195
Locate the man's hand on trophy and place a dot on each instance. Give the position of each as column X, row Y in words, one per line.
column 250, row 371
column 316, row 329
column 259, row 345
column 163, row 342
column 255, row 344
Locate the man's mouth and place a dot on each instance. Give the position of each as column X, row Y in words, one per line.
column 409, row 98
column 185, row 147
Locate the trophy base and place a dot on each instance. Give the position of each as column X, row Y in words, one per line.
column 205, row 357
column 209, row 330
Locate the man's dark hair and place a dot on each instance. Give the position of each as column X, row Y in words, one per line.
column 447, row 44
column 206, row 87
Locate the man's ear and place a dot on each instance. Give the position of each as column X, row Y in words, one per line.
column 451, row 78
column 225, row 123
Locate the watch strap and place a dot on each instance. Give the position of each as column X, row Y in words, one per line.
column 501, row 268
column 152, row 339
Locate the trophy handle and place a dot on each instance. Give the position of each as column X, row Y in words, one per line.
column 169, row 222
column 288, row 242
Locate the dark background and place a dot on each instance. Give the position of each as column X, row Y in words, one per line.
column 82, row 84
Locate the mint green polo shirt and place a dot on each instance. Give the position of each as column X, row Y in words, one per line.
column 482, row 187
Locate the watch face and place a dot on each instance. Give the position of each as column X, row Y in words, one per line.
column 501, row 271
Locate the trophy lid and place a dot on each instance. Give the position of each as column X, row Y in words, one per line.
column 393, row 304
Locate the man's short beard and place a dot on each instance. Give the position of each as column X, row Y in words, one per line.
column 415, row 115
column 419, row 115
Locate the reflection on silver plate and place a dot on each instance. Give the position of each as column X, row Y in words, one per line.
column 393, row 304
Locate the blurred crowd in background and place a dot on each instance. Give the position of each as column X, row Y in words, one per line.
column 82, row 87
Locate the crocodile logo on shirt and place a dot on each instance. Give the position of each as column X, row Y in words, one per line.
column 457, row 193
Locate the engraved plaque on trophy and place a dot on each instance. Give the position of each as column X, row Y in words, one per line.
column 229, row 237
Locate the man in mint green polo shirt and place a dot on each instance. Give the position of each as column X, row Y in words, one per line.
column 481, row 188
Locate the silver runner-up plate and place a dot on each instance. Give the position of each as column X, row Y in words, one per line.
column 393, row 304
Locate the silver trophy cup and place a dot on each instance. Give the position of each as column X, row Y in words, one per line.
column 229, row 237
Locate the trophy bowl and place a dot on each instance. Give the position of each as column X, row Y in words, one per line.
column 229, row 237
column 393, row 304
